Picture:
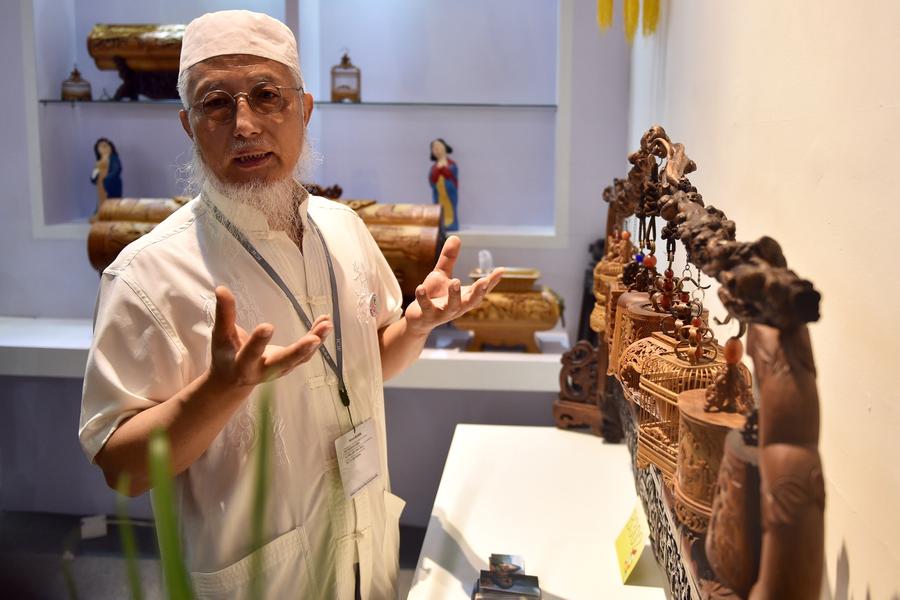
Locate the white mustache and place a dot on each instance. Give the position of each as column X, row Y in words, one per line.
column 242, row 145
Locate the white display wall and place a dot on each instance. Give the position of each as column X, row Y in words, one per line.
column 480, row 75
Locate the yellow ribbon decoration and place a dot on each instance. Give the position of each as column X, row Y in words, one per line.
column 632, row 11
column 604, row 14
column 650, row 17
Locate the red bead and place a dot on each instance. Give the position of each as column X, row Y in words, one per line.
column 684, row 297
column 696, row 322
column 734, row 350
column 650, row 261
column 665, row 302
column 626, row 235
column 669, row 273
column 668, row 285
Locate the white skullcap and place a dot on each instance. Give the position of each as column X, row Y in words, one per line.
column 238, row 32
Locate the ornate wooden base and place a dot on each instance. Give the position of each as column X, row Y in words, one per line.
column 578, row 414
column 489, row 335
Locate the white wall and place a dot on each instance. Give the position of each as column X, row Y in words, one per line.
column 790, row 110
column 500, row 51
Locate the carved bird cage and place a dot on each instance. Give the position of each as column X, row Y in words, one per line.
column 631, row 363
column 662, row 379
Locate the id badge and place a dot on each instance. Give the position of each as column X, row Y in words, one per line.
column 357, row 456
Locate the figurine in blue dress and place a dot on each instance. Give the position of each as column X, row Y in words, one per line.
column 107, row 175
column 444, row 180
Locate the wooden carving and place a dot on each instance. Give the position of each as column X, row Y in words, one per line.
column 701, row 444
column 733, row 539
column 511, row 319
column 757, row 286
column 793, row 487
column 120, row 221
column 767, row 505
column 408, row 235
column 578, row 382
column 146, row 57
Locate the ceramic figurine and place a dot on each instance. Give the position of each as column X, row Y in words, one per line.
column 107, row 175
column 444, row 180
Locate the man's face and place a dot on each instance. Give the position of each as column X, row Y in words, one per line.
column 251, row 147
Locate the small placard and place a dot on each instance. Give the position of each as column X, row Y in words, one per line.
column 630, row 543
column 357, row 455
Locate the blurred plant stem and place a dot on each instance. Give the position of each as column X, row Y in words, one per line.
column 261, row 488
column 175, row 577
column 126, row 533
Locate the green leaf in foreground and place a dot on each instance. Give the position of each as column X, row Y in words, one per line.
column 178, row 586
column 261, row 488
column 126, row 533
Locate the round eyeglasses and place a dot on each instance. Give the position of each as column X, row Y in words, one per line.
column 264, row 98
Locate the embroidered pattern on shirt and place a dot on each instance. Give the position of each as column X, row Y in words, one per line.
column 208, row 306
column 243, row 431
column 366, row 301
column 247, row 312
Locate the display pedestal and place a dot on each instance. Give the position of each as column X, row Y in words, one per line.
column 557, row 498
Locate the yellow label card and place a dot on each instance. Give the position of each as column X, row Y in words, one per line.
column 630, row 543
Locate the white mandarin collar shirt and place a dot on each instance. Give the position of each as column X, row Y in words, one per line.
column 154, row 316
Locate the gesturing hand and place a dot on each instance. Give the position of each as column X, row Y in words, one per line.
column 240, row 359
column 441, row 298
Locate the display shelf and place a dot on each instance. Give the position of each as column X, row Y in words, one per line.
column 552, row 107
column 59, row 347
column 557, row 498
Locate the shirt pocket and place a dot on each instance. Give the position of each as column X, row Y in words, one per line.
column 284, row 569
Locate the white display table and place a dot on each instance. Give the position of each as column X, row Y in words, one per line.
column 557, row 498
column 59, row 347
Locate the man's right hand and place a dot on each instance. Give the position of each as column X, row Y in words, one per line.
column 242, row 360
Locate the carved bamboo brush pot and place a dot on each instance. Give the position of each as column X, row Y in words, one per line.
column 635, row 319
column 701, row 441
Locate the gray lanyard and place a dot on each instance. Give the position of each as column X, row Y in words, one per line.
column 336, row 366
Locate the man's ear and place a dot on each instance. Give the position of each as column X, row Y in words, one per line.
column 307, row 107
column 186, row 123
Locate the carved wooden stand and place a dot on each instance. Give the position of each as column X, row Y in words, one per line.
column 578, row 384
column 583, row 397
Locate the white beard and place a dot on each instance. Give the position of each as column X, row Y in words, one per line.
column 278, row 200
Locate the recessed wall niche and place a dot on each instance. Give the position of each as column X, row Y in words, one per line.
column 466, row 72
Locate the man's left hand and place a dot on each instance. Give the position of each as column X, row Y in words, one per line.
column 441, row 298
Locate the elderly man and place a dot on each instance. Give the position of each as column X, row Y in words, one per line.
column 255, row 277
